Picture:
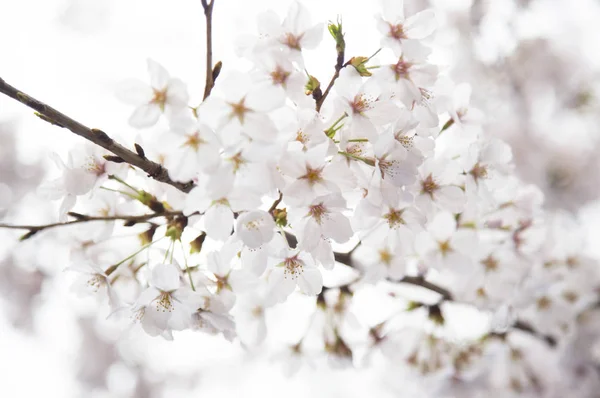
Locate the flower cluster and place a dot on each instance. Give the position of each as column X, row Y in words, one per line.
column 395, row 163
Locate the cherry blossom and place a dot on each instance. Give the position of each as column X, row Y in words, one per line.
column 164, row 95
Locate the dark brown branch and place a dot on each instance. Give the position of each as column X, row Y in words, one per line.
column 81, row 218
column 98, row 137
column 338, row 67
column 346, row 258
column 211, row 71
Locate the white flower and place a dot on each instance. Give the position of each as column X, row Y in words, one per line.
column 321, row 219
column 292, row 268
column 166, row 304
column 194, row 147
column 396, row 28
column 390, row 161
column 92, row 280
column 294, row 34
column 164, row 95
column 313, row 175
column 242, row 112
column 395, row 218
column 445, row 246
column 434, row 187
column 365, row 105
column 84, row 170
column 255, row 228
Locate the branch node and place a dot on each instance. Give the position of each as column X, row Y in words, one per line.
column 140, row 151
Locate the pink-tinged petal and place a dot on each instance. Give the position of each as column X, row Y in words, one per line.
column 280, row 285
column 255, row 260
column 459, row 263
column 337, row 227
column 217, row 266
column 323, row 254
column 196, row 200
column 242, row 281
column 52, row 190
column 159, row 77
column 67, row 204
column 310, row 281
column 165, row 277
column 184, row 166
column 451, row 198
column 420, row 25
column 268, row 23
column 312, row 37
column 424, row 243
column 393, row 11
column 145, row 116
column 397, row 269
column 265, row 98
column 464, row 240
column 218, row 221
column 134, row 92
column 496, row 152
column 260, row 127
column 177, row 95
column 146, row 297
column 78, row 181
column 297, row 19
column 442, row 226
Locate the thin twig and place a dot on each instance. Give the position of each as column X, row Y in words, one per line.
column 210, row 69
column 98, row 137
column 338, row 67
column 80, row 218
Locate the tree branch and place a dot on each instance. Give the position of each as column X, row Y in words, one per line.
column 80, row 218
column 346, row 258
column 98, row 137
column 211, row 71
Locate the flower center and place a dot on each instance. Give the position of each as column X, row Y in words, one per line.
column 160, row 98
column 164, row 302
column 96, row 282
column 394, row 218
column 479, row 171
column 293, row 267
column 238, row 161
column 402, row 69
column 385, row 256
column 194, row 141
column 361, row 104
column 429, row 186
column 317, row 212
column 444, row 247
column 313, row 176
column 95, row 167
column 397, row 31
column 490, row 263
column 279, row 76
column 292, row 41
column 406, row 141
column 239, row 110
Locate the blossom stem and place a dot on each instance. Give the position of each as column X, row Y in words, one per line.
column 370, row 162
column 114, row 267
column 188, row 270
column 114, row 177
column 98, row 137
column 121, row 192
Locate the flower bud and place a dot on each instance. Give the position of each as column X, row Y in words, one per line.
column 335, row 29
column 196, row 244
column 360, row 64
